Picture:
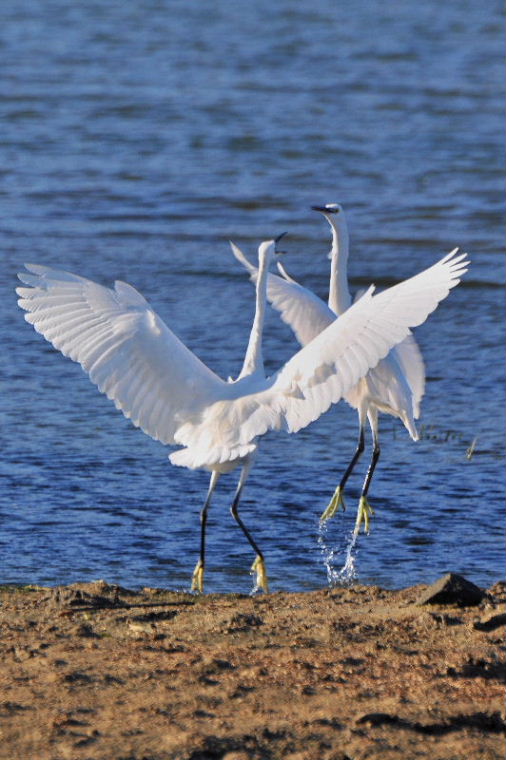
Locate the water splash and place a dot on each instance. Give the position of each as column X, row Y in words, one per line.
column 347, row 574
column 256, row 576
column 256, row 587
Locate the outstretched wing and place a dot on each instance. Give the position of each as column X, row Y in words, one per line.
column 322, row 372
column 397, row 383
column 410, row 359
column 334, row 361
column 156, row 381
column 124, row 346
column 299, row 308
column 308, row 315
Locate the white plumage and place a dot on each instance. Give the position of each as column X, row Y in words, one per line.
column 157, row 382
column 395, row 385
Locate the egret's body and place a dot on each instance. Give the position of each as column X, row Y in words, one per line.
column 394, row 386
column 157, row 382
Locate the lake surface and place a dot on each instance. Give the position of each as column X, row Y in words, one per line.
column 137, row 138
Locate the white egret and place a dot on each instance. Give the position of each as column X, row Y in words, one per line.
column 157, row 382
column 395, row 385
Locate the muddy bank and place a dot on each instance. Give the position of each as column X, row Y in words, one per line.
column 96, row 672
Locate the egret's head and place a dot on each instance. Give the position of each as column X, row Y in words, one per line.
column 334, row 215
column 276, row 241
column 268, row 249
column 330, row 210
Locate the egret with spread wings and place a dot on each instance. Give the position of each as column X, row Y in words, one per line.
column 395, row 385
column 157, row 382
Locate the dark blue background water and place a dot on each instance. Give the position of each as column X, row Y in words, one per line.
column 136, row 139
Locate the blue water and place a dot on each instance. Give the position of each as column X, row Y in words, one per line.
column 136, row 139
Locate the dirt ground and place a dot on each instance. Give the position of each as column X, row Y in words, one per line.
column 96, row 672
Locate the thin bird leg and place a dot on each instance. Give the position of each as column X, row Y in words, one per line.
column 365, row 511
column 337, row 500
column 198, row 573
column 258, row 565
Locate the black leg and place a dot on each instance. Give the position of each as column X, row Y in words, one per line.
column 258, row 564
column 203, row 524
column 235, row 514
column 356, row 456
column 198, row 573
column 337, row 499
column 365, row 511
column 372, row 466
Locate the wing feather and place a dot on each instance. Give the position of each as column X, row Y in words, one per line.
column 352, row 340
column 133, row 357
column 321, row 373
column 128, row 351
column 299, row 308
column 411, row 362
column 296, row 303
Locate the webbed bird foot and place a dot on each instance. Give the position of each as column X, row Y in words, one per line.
column 258, row 566
column 336, row 503
column 198, row 578
column 364, row 514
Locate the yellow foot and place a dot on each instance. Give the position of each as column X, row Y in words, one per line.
column 336, row 502
column 364, row 514
column 198, row 578
column 258, row 566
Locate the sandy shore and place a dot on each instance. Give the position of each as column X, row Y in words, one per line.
column 95, row 672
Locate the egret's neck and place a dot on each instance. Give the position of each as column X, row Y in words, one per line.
column 339, row 295
column 254, row 361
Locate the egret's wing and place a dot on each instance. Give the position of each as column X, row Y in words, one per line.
column 407, row 359
column 410, row 360
column 156, row 381
column 320, row 373
column 299, row 308
column 389, row 391
column 243, row 259
column 323, row 371
column 124, row 346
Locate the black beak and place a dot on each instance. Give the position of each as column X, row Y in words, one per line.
column 276, row 241
column 325, row 209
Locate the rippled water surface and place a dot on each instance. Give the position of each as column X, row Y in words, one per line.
column 136, row 139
